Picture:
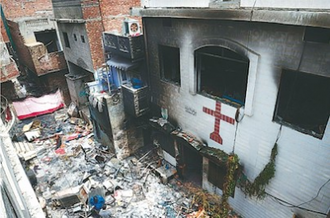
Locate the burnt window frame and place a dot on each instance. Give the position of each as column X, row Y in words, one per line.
column 283, row 91
column 66, row 39
column 198, row 68
column 166, row 58
column 75, row 37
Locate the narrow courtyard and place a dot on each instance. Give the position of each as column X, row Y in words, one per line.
column 165, row 109
column 67, row 167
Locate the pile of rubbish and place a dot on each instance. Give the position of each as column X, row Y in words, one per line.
column 67, row 168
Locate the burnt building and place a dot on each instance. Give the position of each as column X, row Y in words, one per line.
column 238, row 77
column 118, row 98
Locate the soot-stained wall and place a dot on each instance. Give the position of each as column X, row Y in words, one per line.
column 269, row 48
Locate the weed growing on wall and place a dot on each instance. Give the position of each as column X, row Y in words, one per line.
column 257, row 188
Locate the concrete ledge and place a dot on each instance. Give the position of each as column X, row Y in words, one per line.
column 290, row 17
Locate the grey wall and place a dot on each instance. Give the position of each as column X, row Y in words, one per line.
column 270, row 48
column 68, row 9
column 79, row 53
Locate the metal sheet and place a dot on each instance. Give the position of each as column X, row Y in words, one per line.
column 122, row 63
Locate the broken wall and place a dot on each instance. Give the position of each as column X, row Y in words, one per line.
column 270, row 48
column 31, row 53
column 28, row 26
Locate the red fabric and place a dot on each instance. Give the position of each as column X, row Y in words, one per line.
column 8, row 114
column 60, row 151
column 32, row 107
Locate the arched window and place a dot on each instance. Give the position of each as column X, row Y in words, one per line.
column 222, row 73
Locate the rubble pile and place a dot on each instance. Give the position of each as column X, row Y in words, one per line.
column 67, row 167
column 70, row 167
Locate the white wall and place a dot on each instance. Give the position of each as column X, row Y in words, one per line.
column 302, row 164
column 175, row 3
column 315, row 4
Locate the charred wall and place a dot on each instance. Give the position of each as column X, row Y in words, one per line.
column 270, row 48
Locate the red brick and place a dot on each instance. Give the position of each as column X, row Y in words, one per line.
column 26, row 8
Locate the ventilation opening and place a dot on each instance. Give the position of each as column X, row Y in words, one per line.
column 82, row 39
column 66, row 40
column 304, row 102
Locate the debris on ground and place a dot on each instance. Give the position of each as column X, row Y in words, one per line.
column 71, row 168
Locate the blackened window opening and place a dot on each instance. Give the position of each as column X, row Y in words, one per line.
column 66, row 40
column 304, row 102
column 49, row 39
column 82, row 39
column 170, row 64
column 316, row 34
column 222, row 73
column 75, row 37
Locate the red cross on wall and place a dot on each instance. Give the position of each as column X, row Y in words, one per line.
column 215, row 136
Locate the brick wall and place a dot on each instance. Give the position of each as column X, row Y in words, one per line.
column 51, row 62
column 3, row 32
column 94, row 27
column 45, row 62
column 26, row 8
column 9, row 72
column 115, row 11
column 100, row 16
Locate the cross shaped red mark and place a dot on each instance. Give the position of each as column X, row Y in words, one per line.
column 215, row 136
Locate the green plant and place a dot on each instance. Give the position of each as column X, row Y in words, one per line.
column 209, row 202
column 257, row 188
column 229, row 185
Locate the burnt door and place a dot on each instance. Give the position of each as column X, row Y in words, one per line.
column 193, row 161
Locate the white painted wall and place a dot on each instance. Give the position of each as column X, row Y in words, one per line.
column 14, row 179
column 302, row 164
column 315, row 4
column 175, row 3
column 4, row 55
